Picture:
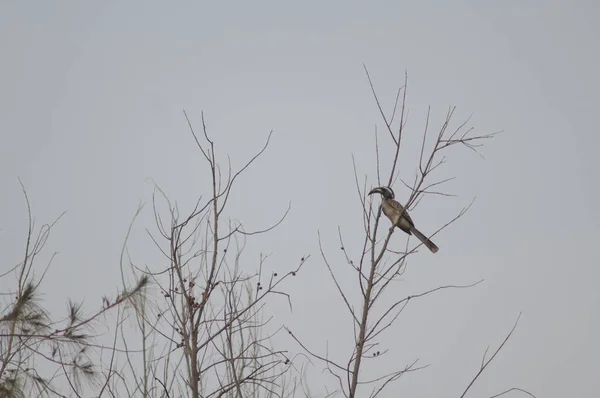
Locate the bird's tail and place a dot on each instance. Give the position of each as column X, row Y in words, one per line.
column 430, row 245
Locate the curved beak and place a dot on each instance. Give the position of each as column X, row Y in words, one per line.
column 375, row 190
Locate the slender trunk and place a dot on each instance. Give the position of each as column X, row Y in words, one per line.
column 363, row 331
column 195, row 321
column 194, row 372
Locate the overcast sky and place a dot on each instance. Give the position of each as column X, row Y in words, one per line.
column 91, row 101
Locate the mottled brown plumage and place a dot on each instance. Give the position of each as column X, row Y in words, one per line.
column 399, row 216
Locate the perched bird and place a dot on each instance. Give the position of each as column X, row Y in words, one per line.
column 399, row 216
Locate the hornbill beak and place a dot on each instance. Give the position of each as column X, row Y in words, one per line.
column 375, row 190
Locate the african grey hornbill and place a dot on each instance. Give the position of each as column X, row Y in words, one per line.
column 399, row 216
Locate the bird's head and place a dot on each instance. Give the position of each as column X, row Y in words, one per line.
column 386, row 192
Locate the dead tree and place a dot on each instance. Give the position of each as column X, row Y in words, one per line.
column 382, row 257
column 207, row 334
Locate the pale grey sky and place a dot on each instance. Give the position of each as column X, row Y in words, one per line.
column 91, row 100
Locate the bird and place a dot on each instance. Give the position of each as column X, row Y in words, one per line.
column 399, row 216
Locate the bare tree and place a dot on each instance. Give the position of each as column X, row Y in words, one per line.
column 207, row 334
column 381, row 261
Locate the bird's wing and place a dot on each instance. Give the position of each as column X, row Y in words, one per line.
column 400, row 208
